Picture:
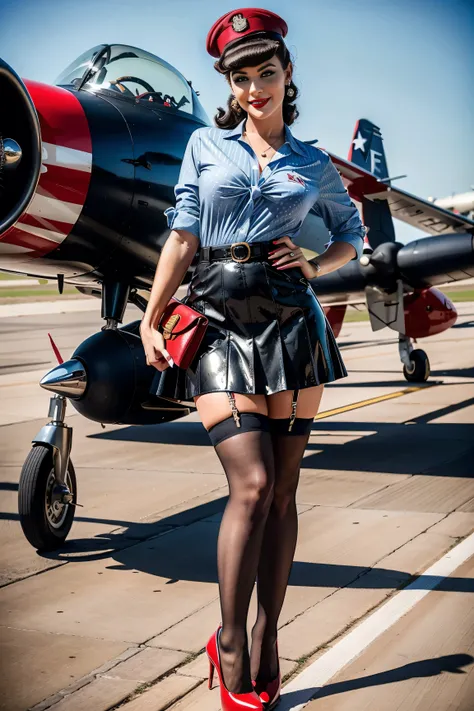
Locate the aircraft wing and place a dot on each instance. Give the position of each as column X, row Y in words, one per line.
column 415, row 211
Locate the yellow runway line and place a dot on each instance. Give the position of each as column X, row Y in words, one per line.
column 372, row 401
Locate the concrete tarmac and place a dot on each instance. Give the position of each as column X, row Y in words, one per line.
column 121, row 614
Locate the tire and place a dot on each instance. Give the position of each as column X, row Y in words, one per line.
column 420, row 370
column 42, row 528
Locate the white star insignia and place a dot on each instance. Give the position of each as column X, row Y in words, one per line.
column 359, row 141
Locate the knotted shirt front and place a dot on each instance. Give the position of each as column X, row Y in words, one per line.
column 223, row 197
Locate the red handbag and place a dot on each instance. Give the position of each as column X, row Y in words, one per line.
column 183, row 329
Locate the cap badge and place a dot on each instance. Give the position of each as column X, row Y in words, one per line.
column 239, row 23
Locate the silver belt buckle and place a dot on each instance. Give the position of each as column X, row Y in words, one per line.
column 240, row 244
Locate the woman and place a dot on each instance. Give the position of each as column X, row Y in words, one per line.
column 244, row 190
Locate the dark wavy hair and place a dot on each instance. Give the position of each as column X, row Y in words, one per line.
column 251, row 52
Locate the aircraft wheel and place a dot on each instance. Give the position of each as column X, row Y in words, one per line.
column 45, row 519
column 419, row 371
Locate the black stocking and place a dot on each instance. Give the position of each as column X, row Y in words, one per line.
column 247, row 458
column 278, row 548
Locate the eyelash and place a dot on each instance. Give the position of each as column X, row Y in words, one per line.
column 268, row 71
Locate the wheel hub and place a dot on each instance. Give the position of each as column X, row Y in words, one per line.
column 58, row 497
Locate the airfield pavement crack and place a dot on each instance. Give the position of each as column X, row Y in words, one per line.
column 203, row 607
column 302, row 661
column 32, row 574
column 148, row 685
column 85, row 680
column 113, row 545
column 378, row 491
column 365, row 571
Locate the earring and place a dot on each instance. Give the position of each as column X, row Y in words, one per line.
column 290, row 92
column 235, row 104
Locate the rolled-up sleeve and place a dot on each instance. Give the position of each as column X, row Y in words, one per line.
column 337, row 210
column 185, row 215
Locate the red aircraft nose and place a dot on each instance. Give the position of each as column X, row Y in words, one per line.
column 44, row 190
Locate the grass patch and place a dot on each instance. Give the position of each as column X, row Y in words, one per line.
column 459, row 294
column 353, row 316
column 12, row 277
column 39, row 291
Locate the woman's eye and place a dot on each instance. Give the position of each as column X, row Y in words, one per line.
column 268, row 73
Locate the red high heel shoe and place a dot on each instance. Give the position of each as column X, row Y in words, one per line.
column 269, row 692
column 229, row 700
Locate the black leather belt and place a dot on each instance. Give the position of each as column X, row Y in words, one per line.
column 238, row 252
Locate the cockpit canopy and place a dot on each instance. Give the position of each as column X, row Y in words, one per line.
column 132, row 74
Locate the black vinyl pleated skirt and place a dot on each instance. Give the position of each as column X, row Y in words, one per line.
column 267, row 333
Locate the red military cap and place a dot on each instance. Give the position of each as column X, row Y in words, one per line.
column 238, row 23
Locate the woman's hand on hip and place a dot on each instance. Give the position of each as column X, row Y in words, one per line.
column 155, row 350
column 289, row 255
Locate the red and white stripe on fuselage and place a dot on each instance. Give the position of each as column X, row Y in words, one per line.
column 64, row 180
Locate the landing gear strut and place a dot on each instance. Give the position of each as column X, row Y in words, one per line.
column 416, row 365
column 47, row 491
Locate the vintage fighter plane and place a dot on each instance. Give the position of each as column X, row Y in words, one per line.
column 87, row 168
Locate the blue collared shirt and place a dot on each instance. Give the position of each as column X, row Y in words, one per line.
column 222, row 197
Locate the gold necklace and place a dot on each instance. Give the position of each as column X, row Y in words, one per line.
column 264, row 154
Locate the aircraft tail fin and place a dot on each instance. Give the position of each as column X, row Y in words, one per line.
column 367, row 151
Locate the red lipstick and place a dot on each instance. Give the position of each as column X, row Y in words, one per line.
column 259, row 103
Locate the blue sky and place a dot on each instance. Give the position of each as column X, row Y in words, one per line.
column 407, row 65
